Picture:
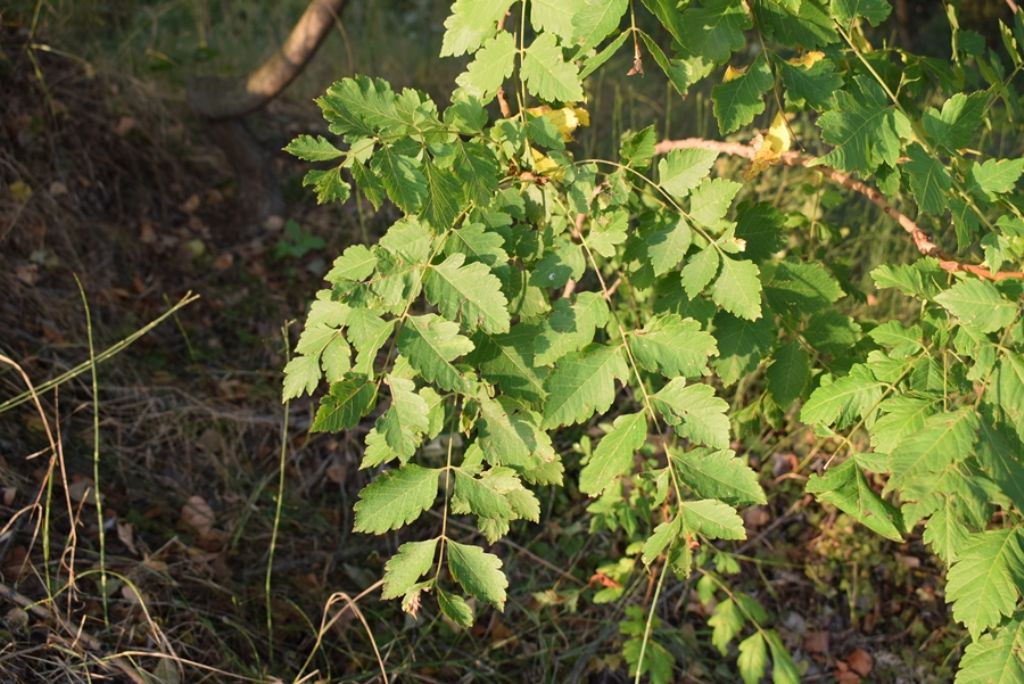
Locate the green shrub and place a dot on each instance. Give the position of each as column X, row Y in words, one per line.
column 525, row 292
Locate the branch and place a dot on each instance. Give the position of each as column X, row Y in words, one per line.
column 215, row 99
column 922, row 241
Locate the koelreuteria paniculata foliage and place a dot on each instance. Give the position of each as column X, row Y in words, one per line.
column 525, row 291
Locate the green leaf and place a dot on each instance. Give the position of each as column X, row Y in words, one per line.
column 742, row 344
column 395, row 499
column 797, row 288
column 929, row 180
column 477, row 168
column 946, row 532
column 368, row 333
column 496, row 498
column 995, row 177
column 360, row 107
column 842, row 400
column 695, row 412
column 596, row 19
column 455, row 608
column 444, row 200
column 470, row 24
column 713, row 519
column 680, row 171
column 637, row 148
column 349, row 400
column 490, row 67
column 846, row 488
column 789, row 374
column 738, row 288
column 406, row 420
column 802, row 24
column 959, row 121
column 302, row 374
column 555, row 16
column 681, row 73
column 478, row 244
column 666, row 244
column 508, row 361
column 473, row 495
column 328, row 185
column 726, row 622
column 661, row 539
column 1006, row 390
column 999, row 452
column 738, row 101
column 924, row 278
column 811, row 86
column 600, row 58
column 668, row 16
column 714, row 29
column 478, row 573
column 979, row 305
column 719, row 474
column 583, row 384
column 875, row 11
column 512, row 439
column 430, row 344
column 753, row 658
column 469, row 291
column 863, row 128
column 402, row 179
column 944, row 439
column 903, row 415
column 985, row 583
column 710, row 201
column 570, row 327
column 404, row 569
column 673, row 346
column 699, row 271
column 783, row 668
column 356, row 263
column 547, row 74
column 313, row 148
column 994, row 658
column 613, row 456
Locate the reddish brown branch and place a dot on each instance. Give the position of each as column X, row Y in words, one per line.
column 922, row 241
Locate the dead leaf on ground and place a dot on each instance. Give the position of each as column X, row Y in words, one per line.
column 131, row 595
column 816, row 642
column 81, row 488
column 198, row 515
column 27, row 273
column 126, row 533
column 124, row 125
column 860, row 661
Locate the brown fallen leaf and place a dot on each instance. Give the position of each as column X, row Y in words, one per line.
column 126, row 533
column 860, row 661
column 198, row 515
column 816, row 642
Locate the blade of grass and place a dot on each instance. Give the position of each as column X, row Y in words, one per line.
column 278, row 504
column 106, row 354
column 101, row 531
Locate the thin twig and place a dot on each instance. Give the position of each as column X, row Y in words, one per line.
column 922, row 241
